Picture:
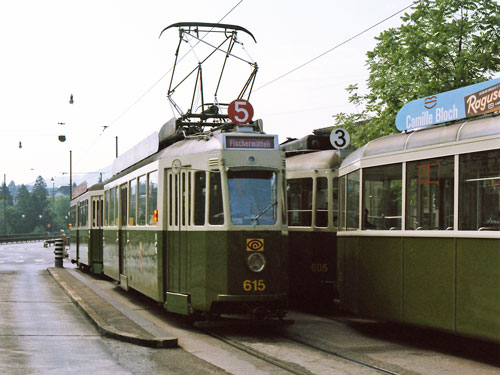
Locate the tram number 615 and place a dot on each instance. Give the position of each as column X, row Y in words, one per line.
column 319, row 267
column 254, row 285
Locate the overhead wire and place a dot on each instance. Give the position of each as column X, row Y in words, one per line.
column 123, row 113
column 264, row 85
column 332, row 49
column 163, row 76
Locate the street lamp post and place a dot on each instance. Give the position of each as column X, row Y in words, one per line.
column 53, row 205
column 4, row 204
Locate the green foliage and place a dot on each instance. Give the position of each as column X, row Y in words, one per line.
column 5, row 193
column 33, row 211
column 442, row 45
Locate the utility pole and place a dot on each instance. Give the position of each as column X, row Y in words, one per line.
column 4, row 204
column 70, row 175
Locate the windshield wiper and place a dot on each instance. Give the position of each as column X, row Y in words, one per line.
column 257, row 217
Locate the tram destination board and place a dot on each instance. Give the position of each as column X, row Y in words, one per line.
column 237, row 142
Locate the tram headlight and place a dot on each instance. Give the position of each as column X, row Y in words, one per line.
column 256, row 262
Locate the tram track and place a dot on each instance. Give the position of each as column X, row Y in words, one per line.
column 293, row 367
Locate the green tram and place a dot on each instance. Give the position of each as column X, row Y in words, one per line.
column 86, row 227
column 312, row 196
column 199, row 225
column 419, row 234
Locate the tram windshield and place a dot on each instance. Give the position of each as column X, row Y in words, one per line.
column 253, row 197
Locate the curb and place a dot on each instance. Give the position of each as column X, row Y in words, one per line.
column 107, row 330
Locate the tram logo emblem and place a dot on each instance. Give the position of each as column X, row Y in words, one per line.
column 255, row 244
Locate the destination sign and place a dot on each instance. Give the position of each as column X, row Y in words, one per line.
column 237, row 142
column 451, row 105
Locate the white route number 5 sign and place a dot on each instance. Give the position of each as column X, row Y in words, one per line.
column 339, row 138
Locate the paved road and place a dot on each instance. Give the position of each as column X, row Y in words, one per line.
column 42, row 332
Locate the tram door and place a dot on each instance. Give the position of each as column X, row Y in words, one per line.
column 123, row 223
column 179, row 207
column 96, row 226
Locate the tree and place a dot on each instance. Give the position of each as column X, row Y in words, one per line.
column 6, row 195
column 61, row 220
column 41, row 205
column 23, row 218
column 442, row 45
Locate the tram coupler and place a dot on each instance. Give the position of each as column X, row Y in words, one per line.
column 59, row 252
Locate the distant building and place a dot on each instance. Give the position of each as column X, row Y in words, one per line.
column 61, row 191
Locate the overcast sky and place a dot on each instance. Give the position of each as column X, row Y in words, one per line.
column 108, row 55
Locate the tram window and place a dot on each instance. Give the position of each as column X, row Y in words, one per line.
column 72, row 216
column 300, row 202
column 152, row 198
column 252, row 197
column 141, row 201
column 321, row 202
column 200, row 191
column 106, row 209
column 94, row 213
column 284, row 215
column 170, row 199
column 176, row 200
column 352, row 207
column 123, row 205
column 132, row 202
column 429, row 194
column 100, row 213
column 80, row 214
column 342, row 207
column 112, row 211
column 479, row 191
column 83, row 213
column 215, row 209
column 189, row 197
column 115, row 206
column 382, row 195
column 183, row 198
column 335, row 201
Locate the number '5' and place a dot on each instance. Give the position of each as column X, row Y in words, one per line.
column 239, row 107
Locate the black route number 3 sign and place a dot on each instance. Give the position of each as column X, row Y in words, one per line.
column 339, row 138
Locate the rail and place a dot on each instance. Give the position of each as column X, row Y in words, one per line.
column 26, row 237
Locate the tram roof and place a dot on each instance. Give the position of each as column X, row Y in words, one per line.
column 97, row 186
column 327, row 159
column 486, row 126
column 188, row 146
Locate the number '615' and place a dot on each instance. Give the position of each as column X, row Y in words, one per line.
column 254, row 285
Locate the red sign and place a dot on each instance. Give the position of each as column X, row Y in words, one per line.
column 240, row 111
column 79, row 190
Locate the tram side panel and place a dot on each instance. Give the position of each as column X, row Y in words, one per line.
column 95, row 241
column 313, row 269
column 433, row 259
column 347, row 271
column 429, row 265
column 83, row 246
column 143, row 262
column 111, row 253
column 478, row 291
